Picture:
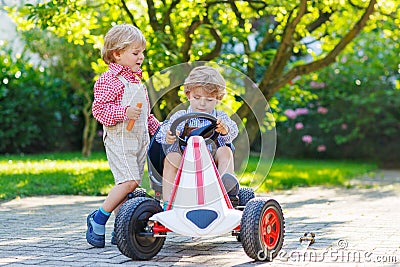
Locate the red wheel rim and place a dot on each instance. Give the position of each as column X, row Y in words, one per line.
column 270, row 228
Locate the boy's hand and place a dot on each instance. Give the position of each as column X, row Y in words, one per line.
column 133, row 113
column 221, row 127
column 171, row 138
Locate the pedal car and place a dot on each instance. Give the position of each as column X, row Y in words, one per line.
column 199, row 205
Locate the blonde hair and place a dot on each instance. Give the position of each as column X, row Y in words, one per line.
column 120, row 37
column 208, row 79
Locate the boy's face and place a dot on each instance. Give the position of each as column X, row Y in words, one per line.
column 201, row 101
column 132, row 57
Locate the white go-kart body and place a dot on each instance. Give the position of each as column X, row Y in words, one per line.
column 201, row 206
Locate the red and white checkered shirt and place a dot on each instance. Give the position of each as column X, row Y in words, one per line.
column 108, row 91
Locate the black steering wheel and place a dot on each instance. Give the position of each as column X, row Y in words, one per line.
column 207, row 132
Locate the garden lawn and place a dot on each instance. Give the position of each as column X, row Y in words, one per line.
column 72, row 174
column 289, row 173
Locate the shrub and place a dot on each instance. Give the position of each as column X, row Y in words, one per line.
column 355, row 113
column 34, row 107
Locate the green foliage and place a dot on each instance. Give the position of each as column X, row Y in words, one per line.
column 363, row 99
column 242, row 34
column 356, row 113
column 69, row 69
column 72, row 174
column 266, row 40
column 34, row 110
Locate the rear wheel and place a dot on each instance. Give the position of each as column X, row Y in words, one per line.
column 245, row 195
column 138, row 192
column 131, row 229
column 262, row 229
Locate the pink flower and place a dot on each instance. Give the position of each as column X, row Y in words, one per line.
column 299, row 126
column 344, row 59
column 301, row 111
column 100, row 133
column 307, row 139
column 344, row 126
column 321, row 148
column 314, row 84
column 290, row 114
column 322, row 110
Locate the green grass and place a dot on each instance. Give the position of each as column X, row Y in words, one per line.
column 72, row 174
column 60, row 173
column 289, row 173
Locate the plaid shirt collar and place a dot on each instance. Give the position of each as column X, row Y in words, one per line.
column 213, row 113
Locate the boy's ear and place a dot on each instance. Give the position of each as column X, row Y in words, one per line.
column 116, row 54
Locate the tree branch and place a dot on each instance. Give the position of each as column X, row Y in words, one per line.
column 245, row 42
column 355, row 5
column 252, row 4
column 152, row 16
column 217, row 48
column 267, row 38
column 322, row 18
column 167, row 15
column 218, row 41
column 188, row 39
column 323, row 62
column 237, row 13
column 125, row 7
column 286, row 46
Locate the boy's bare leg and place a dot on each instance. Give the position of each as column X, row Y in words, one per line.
column 171, row 165
column 117, row 196
column 225, row 163
column 224, row 160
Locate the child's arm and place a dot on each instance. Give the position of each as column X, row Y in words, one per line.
column 171, row 138
column 153, row 124
column 222, row 128
column 226, row 127
column 106, row 107
column 161, row 136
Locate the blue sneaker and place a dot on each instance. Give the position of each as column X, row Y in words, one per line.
column 95, row 234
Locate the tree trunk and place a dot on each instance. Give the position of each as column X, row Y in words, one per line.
column 253, row 113
column 89, row 128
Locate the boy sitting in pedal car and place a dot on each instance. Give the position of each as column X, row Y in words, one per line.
column 204, row 88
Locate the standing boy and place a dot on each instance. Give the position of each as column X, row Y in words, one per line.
column 117, row 94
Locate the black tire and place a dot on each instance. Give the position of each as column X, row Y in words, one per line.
column 138, row 192
column 130, row 222
column 262, row 229
column 245, row 195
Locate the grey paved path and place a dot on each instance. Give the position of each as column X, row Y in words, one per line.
column 354, row 227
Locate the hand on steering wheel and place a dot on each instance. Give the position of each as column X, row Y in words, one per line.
column 207, row 132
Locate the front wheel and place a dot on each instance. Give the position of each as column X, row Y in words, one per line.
column 262, row 229
column 131, row 231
